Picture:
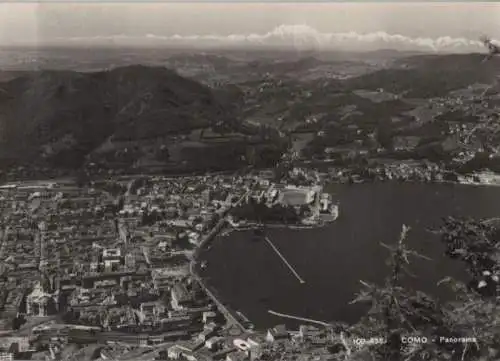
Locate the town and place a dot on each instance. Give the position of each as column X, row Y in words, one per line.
column 272, row 182
column 110, row 269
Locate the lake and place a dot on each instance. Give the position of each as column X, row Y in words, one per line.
column 251, row 277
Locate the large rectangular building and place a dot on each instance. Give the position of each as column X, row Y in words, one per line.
column 180, row 296
column 296, row 196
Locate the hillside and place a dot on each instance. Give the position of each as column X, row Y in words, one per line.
column 426, row 76
column 62, row 116
column 440, row 108
column 140, row 115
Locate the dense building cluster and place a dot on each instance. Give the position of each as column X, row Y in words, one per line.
column 113, row 263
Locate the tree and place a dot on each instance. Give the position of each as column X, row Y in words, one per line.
column 396, row 312
column 391, row 311
column 16, row 323
column 384, row 136
column 304, row 210
column 163, row 153
column 473, row 242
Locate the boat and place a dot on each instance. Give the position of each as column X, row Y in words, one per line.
column 259, row 233
column 245, row 321
column 334, row 211
column 203, row 264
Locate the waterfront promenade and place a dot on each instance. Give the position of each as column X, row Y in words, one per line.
column 230, row 315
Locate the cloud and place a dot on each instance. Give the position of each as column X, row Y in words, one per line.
column 300, row 36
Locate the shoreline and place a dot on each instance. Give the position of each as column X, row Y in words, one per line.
column 227, row 230
column 229, row 314
column 372, row 181
column 488, row 178
column 221, row 228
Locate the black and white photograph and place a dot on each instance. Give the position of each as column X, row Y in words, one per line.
column 249, row 180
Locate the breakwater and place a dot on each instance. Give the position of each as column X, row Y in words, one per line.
column 334, row 258
column 303, row 319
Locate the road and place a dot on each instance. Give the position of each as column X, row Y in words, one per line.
column 83, row 336
column 231, row 316
column 4, row 235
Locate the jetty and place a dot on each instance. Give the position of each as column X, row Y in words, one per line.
column 284, row 260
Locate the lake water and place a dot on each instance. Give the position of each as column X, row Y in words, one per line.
column 251, row 277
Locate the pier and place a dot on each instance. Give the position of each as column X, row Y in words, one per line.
column 284, row 260
column 321, row 323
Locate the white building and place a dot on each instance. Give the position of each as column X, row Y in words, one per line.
column 6, row 356
column 38, row 302
column 214, row 343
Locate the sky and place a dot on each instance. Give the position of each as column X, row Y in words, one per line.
column 434, row 25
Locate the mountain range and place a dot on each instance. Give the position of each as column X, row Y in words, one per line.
column 61, row 116
column 64, row 118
